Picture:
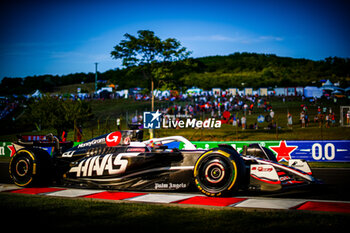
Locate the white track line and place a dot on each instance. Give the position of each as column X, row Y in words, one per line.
column 161, row 198
column 8, row 187
column 269, row 203
column 74, row 192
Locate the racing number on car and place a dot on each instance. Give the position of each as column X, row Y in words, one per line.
column 99, row 164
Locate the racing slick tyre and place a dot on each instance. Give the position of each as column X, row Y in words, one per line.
column 219, row 172
column 30, row 167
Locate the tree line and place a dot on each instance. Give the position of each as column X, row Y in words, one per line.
column 234, row 70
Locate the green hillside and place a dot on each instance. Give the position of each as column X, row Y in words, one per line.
column 234, row 70
column 265, row 70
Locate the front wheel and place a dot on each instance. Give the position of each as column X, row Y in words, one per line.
column 219, row 172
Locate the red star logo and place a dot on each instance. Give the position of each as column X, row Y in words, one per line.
column 12, row 149
column 283, row 151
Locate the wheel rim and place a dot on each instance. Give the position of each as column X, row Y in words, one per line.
column 215, row 174
column 22, row 167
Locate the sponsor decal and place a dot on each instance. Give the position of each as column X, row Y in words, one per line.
column 192, row 123
column 99, row 165
column 285, row 178
column 12, row 149
column 169, row 185
column 137, row 149
column 153, row 120
column 283, row 151
column 126, row 141
column 262, row 169
column 113, row 139
column 7, row 149
column 265, row 173
column 93, row 142
column 68, row 154
column 2, row 149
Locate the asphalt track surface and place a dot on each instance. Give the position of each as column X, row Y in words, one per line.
column 336, row 185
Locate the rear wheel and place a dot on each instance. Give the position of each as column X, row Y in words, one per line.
column 218, row 172
column 30, row 168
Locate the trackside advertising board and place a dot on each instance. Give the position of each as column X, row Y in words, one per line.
column 312, row 151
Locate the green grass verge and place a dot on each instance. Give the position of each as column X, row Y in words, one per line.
column 37, row 212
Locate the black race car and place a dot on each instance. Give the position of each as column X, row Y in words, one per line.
column 121, row 160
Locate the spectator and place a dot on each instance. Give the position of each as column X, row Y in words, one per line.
column 272, row 115
column 134, row 119
column 327, row 120
column 118, row 123
column 320, row 120
column 290, row 120
column 243, row 121
column 79, row 133
column 234, row 120
column 332, row 118
column 306, row 119
column 302, row 119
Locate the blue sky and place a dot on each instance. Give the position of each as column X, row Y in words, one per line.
column 62, row 37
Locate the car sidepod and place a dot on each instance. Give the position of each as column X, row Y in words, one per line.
column 148, row 170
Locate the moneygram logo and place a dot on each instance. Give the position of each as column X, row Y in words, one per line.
column 153, row 120
column 113, row 139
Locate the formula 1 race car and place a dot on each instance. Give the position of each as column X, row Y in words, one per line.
column 121, row 160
